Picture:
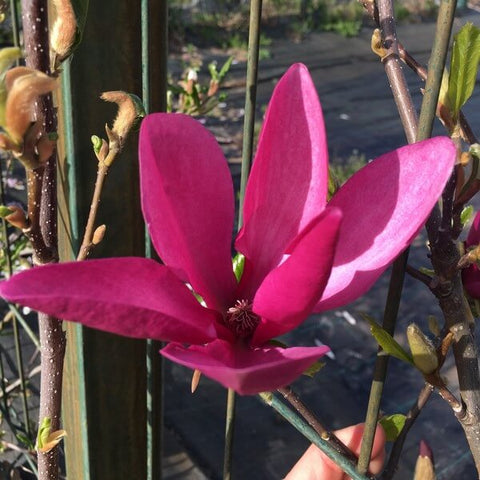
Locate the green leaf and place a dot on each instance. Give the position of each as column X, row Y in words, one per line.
column 5, row 211
column 464, row 67
column 387, row 342
column 96, row 142
column 238, row 265
column 427, row 271
column 212, row 69
column 267, row 397
column 393, row 425
column 433, row 325
column 466, row 214
column 8, row 56
column 312, row 370
column 25, row 441
column 43, row 432
column 277, row 343
column 224, row 70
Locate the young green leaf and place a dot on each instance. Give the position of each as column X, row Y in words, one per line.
column 467, row 214
column 312, row 370
column 5, row 211
column 387, row 342
column 238, row 265
column 43, row 432
column 464, row 67
column 393, row 425
column 225, row 68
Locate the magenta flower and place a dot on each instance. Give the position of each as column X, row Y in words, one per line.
column 300, row 254
column 471, row 274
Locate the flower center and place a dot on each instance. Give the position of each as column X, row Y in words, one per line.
column 241, row 320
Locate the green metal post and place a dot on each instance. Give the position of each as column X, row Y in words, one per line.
column 104, row 395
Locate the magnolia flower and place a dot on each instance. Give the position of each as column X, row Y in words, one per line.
column 471, row 274
column 300, row 253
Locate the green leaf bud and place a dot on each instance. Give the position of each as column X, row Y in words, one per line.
column 423, row 352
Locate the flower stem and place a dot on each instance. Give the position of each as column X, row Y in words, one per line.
column 386, row 21
column 436, row 65
column 381, row 363
column 247, row 153
column 307, row 431
column 250, row 99
column 229, row 430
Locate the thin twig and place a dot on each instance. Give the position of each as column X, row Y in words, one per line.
column 421, row 71
column 87, row 243
column 412, row 415
column 12, row 386
column 307, row 431
column 381, row 363
column 418, row 275
column 315, row 423
column 250, row 99
column 393, row 70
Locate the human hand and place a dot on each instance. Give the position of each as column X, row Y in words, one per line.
column 314, row 465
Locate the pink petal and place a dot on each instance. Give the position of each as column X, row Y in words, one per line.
column 134, row 297
column 474, row 232
column 247, row 371
column 188, row 204
column 289, row 292
column 471, row 280
column 384, row 205
column 287, row 187
column 471, row 275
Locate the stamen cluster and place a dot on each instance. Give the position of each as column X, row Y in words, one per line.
column 241, row 319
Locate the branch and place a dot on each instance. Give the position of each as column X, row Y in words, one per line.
column 313, row 421
column 43, row 230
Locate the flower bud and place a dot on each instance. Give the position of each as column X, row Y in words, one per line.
column 197, row 374
column 130, row 109
column 192, row 79
column 64, row 29
column 424, row 469
column 98, row 234
column 24, row 85
column 423, row 352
